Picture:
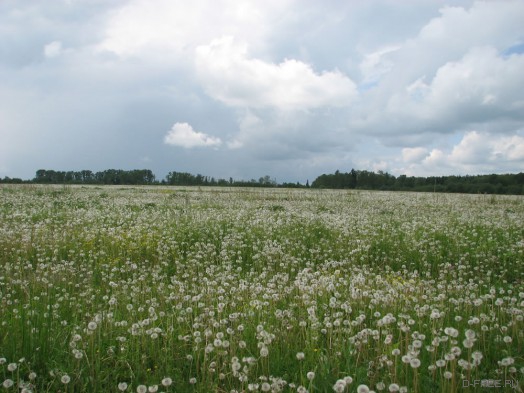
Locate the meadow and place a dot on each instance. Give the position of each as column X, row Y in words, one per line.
column 146, row 289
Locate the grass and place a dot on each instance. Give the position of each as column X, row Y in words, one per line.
column 117, row 289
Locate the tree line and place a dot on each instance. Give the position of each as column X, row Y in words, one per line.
column 140, row 177
column 109, row 176
column 354, row 179
column 483, row 184
column 187, row 179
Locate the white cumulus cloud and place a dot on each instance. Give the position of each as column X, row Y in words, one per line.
column 481, row 86
column 476, row 152
column 483, row 148
column 167, row 29
column 183, row 135
column 232, row 77
column 413, row 154
column 452, row 76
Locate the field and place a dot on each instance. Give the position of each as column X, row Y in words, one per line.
column 108, row 289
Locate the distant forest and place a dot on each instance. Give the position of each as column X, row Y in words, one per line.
column 355, row 179
column 483, row 184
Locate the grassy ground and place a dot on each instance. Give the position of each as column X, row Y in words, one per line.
column 204, row 290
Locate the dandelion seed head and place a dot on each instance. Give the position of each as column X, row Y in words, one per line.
column 8, row 383
column 477, row 355
column 167, row 381
column 339, row 386
column 393, row 387
column 362, row 389
column 414, row 363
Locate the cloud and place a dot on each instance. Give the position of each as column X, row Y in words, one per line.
column 459, row 26
column 171, row 29
column 413, row 154
column 476, row 152
column 483, row 148
column 282, row 87
column 284, row 110
column 53, row 49
column 183, row 135
column 481, row 86
column 481, row 83
column 229, row 75
column 234, row 144
column 376, row 64
column 452, row 76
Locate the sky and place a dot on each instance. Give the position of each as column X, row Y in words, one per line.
column 244, row 89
